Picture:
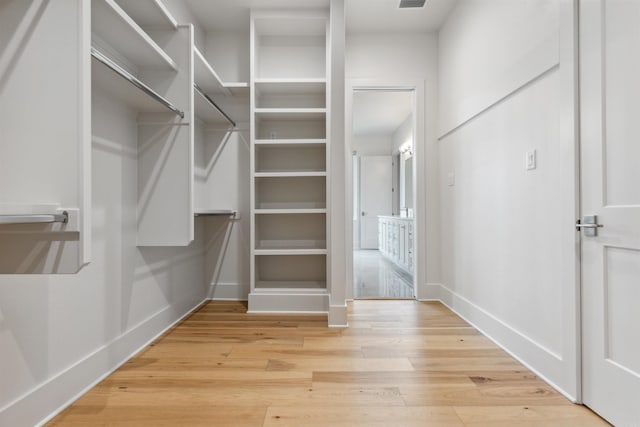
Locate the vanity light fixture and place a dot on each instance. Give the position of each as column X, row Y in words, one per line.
column 406, row 148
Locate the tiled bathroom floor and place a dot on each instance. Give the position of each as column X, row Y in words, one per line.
column 376, row 277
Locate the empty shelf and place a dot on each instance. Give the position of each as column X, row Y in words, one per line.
column 207, row 78
column 113, row 26
column 151, row 14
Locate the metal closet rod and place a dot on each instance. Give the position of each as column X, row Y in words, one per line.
column 134, row 81
column 34, row 218
column 229, row 119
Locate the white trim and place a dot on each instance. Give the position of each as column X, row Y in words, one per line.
column 417, row 86
column 338, row 317
column 527, row 351
column 57, row 393
column 284, row 299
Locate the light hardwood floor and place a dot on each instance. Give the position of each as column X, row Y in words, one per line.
column 400, row 363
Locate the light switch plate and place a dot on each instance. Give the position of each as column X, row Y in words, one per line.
column 530, row 160
column 451, row 179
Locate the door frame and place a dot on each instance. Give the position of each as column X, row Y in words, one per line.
column 419, row 175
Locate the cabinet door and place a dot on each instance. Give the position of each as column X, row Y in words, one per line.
column 402, row 255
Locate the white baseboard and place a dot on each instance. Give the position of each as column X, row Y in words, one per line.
column 41, row 404
column 285, row 302
column 542, row 361
column 338, row 316
column 228, row 291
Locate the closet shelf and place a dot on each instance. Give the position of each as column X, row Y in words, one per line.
column 266, row 88
column 149, row 14
column 279, row 82
column 110, row 76
column 293, row 143
column 290, row 113
column 290, row 251
column 207, row 78
column 282, row 211
column 289, row 174
column 111, row 25
column 264, row 286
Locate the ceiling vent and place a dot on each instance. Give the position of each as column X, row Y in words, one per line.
column 411, row 3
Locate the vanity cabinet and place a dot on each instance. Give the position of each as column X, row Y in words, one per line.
column 395, row 240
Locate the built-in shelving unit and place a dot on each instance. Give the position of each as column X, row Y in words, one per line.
column 289, row 161
column 207, row 78
column 115, row 31
column 149, row 14
column 215, row 127
column 142, row 58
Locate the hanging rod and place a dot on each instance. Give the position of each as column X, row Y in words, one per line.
column 134, row 81
column 34, row 218
column 216, row 212
column 229, row 119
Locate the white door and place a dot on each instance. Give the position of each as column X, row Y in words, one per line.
column 375, row 197
column 610, row 167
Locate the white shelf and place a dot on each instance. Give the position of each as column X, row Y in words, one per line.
column 284, row 211
column 278, row 286
column 111, row 24
column 291, row 113
column 291, row 142
column 295, row 93
column 149, row 14
column 207, row 78
column 278, row 83
column 289, row 174
column 289, row 251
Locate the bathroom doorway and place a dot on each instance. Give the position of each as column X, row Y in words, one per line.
column 383, row 199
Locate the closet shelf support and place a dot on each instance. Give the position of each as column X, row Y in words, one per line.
column 134, row 81
column 214, row 105
column 35, row 218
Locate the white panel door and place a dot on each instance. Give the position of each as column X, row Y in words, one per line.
column 375, row 197
column 610, row 167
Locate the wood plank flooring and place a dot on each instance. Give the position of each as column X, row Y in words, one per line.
column 400, row 363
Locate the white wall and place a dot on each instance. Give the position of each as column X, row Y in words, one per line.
column 372, row 145
column 59, row 334
column 507, row 236
column 402, row 134
column 394, row 58
column 222, row 182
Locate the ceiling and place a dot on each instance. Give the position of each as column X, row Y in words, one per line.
column 384, row 16
column 233, row 15
column 362, row 16
column 380, row 112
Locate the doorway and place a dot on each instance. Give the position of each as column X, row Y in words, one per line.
column 382, row 145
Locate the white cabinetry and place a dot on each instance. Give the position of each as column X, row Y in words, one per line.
column 45, row 136
column 289, row 161
column 139, row 42
column 395, row 240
